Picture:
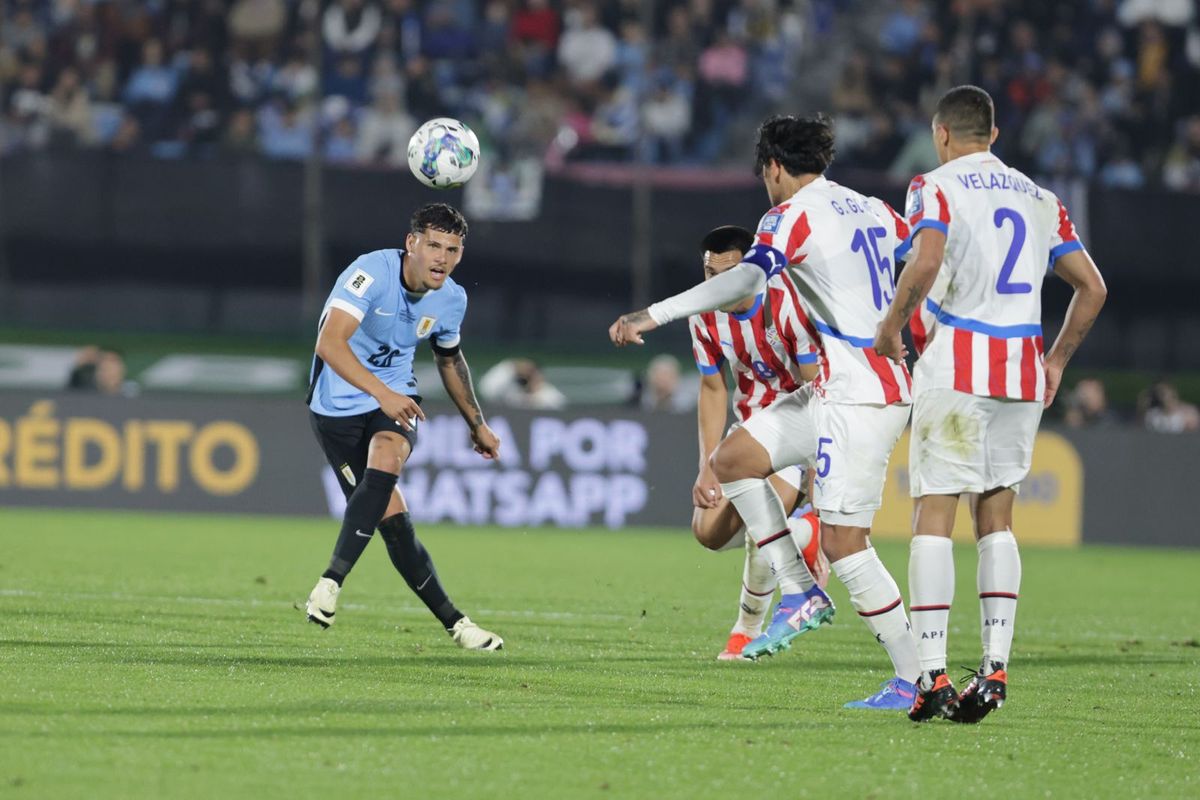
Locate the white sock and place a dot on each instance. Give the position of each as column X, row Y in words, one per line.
column 930, row 593
column 877, row 599
column 999, row 584
column 767, row 524
column 758, row 587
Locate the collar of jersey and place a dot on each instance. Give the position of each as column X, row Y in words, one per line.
column 749, row 314
column 819, row 180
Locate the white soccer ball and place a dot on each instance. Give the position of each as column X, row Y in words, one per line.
column 443, row 153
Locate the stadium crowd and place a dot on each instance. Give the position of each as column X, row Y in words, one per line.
column 1101, row 89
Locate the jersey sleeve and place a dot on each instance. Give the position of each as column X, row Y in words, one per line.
column 1063, row 237
column 773, row 241
column 791, row 321
column 448, row 334
column 896, row 225
column 360, row 286
column 707, row 352
column 926, row 207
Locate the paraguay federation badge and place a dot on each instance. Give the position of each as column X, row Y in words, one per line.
column 425, row 326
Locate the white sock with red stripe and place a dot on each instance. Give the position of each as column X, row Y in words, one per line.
column 999, row 584
column 930, row 593
column 758, row 587
column 767, row 524
column 876, row 597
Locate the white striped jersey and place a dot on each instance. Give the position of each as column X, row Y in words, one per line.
column 840, row 248
column 763, row 350
column 1003, row 232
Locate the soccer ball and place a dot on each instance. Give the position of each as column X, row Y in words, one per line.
column 443, row 153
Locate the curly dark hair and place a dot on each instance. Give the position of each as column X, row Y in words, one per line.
column 440, row 217
column 801, row 145
column 967, row 112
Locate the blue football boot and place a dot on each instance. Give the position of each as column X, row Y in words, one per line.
column 795, row 614
column 896, row 694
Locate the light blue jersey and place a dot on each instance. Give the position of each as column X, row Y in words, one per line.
column 392, row 322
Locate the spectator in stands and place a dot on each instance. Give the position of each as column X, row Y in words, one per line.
column 1087, row 406
column 350, row 27
column 1182, row 168
column 1163, row 411
column 519, row 383
column 70, row 112
column 384, row 132
column 666, row 119
column 151, row 88
column 586, row 50
column 100, row 369
column 663, row 387
column 535, row 30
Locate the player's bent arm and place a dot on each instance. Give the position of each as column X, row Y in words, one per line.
column 456, row 377
column 710, row 417
column 916, row 279
column 333, row 347
column 710, row 414
column 1077, row 269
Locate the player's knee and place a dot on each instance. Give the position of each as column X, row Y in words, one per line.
column 706, row 535
column 726, row 463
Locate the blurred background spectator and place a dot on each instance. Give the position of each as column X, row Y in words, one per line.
column 99, row 369
column 1163, row 411
column 663, row 387
column 519, row 383
column 1105, row 89
column 1087, row 406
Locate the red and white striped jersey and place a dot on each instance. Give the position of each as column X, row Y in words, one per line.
column 1002, row 232
column 763, row 352
column 840, row 248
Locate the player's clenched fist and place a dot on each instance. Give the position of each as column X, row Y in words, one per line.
column 401, row 408
column 629, row 328
column 486, row 442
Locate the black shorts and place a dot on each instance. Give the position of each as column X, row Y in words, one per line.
column 346, row 440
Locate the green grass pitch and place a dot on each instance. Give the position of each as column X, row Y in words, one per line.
column 160, row 656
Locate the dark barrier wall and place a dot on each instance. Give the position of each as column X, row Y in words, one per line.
column 222, row 240
column 584, row 468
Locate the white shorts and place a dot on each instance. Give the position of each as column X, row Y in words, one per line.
column 854, row 443
column 786, row 429
column 963, row 443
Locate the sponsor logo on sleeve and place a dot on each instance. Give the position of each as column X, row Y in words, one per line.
column 425, row 326
column 358, row 283
column 915, row 204
column 770, row 223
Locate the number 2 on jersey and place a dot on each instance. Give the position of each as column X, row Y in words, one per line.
column 866, row 241
column 1003, row 284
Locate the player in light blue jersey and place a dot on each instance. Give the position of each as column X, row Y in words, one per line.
column 365, row 403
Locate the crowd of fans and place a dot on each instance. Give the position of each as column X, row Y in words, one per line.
column 1102, row 89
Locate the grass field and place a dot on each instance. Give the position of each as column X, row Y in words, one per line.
column 160, row 656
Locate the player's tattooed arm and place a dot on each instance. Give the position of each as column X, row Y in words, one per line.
column 1077, row 269
column 915, row 282
column 456, row 377
column 628, row 328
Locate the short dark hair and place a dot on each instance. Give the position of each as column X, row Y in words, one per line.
column 967, row 112
column 801, row 145
column 726, row 238
column 440, row 217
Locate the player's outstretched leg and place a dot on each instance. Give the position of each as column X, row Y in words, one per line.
column 758, row 585
column 364, row 509
column 412, row 561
